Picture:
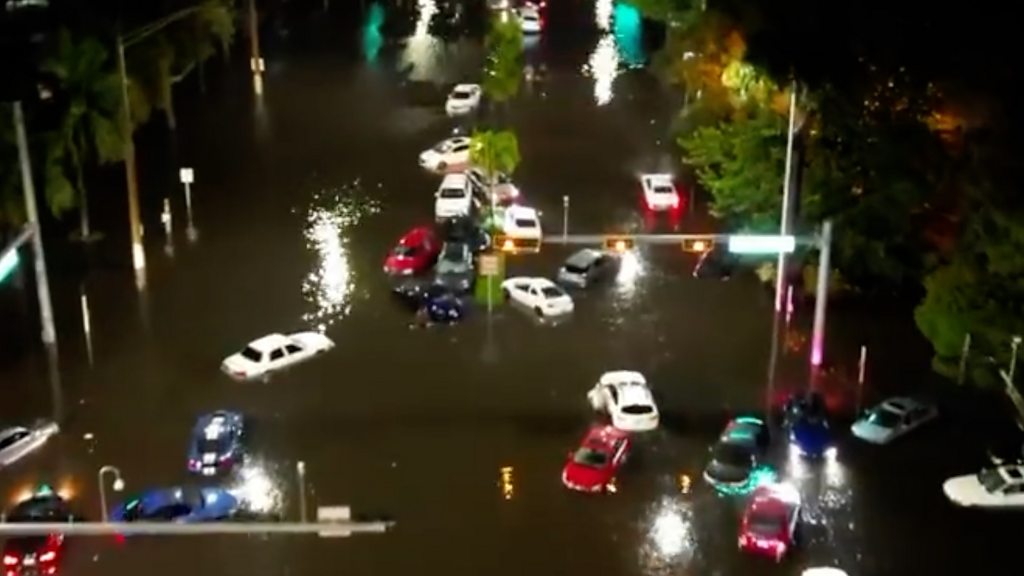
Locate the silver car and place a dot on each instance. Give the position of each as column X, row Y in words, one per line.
column 17, row 442
column 586, row 267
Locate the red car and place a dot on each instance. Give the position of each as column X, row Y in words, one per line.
column 592, row 467
column 770, row 521
column 415, row 253
column 36, row 555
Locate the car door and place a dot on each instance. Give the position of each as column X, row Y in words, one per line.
column 535, row 297
column 460, row 154
column 13, row 446
column 295, row 352
column 278, row 358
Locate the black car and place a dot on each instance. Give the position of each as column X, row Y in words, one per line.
column 465, row 230
column 804, row 406
column 586, row 267
column 430, row 302
column 716, row 264
column 737, row 454
column 454, row 268
column 36, row 554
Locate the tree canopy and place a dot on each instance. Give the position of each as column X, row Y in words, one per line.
column 503, row 70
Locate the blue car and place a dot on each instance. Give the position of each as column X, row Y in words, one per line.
column 811, row 437
column 432, row 303
column 179, row 504
column 216, row 443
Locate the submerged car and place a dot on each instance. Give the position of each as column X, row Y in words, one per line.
column 216, row 444
column 274, row 352
column 585, row 268
column 893, row 418
column 810, row 435
column 466, row 230
column 770, row 521
column 178, row 504
column 455, row 267
column 541, row 295
column 737, row 454
column 452, row 151
column 592, row 467
column 17, row 442
column 999, row 487
column 627, row 399
column 660, row 192
column 24, row 555
column 716, row 264
column 415, row 253
column 434, row 303
column 464, row 98
column 505, row 191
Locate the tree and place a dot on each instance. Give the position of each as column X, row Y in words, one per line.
column 504, row 67
column 89, row 130
column 741, row 163
column 495, row 152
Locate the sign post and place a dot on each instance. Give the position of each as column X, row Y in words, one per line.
column 188, row 177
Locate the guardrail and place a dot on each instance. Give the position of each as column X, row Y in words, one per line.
column 323, row 529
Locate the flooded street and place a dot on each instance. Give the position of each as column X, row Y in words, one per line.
column 298, row 197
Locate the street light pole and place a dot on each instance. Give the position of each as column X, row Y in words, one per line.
column 256, row 61
column 1014, row 347
column 821, row 299
column 49, row 333
column 118, row 486
column 134, row 218
column 787, row 191
column 300, row 469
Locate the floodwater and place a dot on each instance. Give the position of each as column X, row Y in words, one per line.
column 299, row 195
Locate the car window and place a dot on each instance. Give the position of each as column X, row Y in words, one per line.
column 552, row 292
column 637, row 409
column 406, row 251
column 461, row 148
column 526, row 223
column 452, row 193
column 171, row 511
column 763, row 524
column 1018, row 489
column 614, row 394
column 14, row 439
column 589, row 457
column 252, row 354
column 293, row 348
column 1014, row 474
column 277, row 354
column 664, row 190
column 884, row 418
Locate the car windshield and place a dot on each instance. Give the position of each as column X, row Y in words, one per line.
column 884, row 418
column 453, row 253
column 991, row 480
column 452, row 193
column 443, row 146
column 552, row 292
column 526, row 223
column 252, row 354
column 461, row 94
column 732, row 455
column 664, row 190
column 587, row 456
column 576, row 268
column 761, row 524
column 403, row 251
column 637, row 409
column 217, row 445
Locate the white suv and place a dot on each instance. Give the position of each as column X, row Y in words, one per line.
column 454, row 198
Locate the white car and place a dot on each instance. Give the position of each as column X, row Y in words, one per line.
column 529, row 19
column 660, row 192
column 454, row 198
column 538, row 294
column 1001, row 487
column 274, row 352
column 463, row 98
column 892, row 419
column 453, row 151
column 627, row 399
column 522, row 223
column 17, row 442
column 505, row 191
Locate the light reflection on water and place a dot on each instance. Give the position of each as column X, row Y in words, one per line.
column 421, row 56
column 329, row 220
column 603, row 14
column 257, row 488
column 632, row 269
column 671, row 541
column 603, row 67
column 827, row 504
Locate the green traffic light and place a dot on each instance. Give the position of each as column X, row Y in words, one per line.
column 8, row 263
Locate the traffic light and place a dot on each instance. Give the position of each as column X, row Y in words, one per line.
column 699, row 245
column 619, row 243
column 517, row 245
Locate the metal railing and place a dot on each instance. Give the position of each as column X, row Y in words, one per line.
column 325, row 529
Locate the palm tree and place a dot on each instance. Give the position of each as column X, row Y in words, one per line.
column 89, row 130
column 495, row 152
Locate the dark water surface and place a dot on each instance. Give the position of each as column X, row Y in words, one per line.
column 297, row 199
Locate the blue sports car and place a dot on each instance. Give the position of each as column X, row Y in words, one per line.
column 811, row 437
column 179, row 504
column 216, row 443
column 433, row 303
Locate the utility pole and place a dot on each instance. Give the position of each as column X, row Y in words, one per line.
column 134, row 218
column 821, row 299
column 49, row 334
column 256, row 61
column 787, row 193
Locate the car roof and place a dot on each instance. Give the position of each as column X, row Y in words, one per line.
column 519, row 211
column 12, row 430
column 269, row 342
column 456, row 140
column 415, row 235
column 466, row 87
column 584, row 257
column 620, row 376
column 743, row 430
column 781, row 495
column 900, row 405
column 215, row 424
column 542, row 282
column 40, row 507
column 634, row 394
column 456, row 180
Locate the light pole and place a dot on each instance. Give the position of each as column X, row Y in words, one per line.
column 300, row 469
column 1014, row 347
column 118, row 485
column 787, row 191
column 256, row 60
column 820, row 300
column 187, row 177
column 565, row 219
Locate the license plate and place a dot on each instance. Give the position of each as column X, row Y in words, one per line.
column 209, row 471
column 29, row 561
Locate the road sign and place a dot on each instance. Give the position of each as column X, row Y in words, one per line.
column 8, row 262
column 489, row 265
column 187, row 175
column 761, row 244
column 698, row 244
column 328, row 514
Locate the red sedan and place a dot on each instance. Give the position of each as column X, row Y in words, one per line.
column 592, row 467
column 770, row 521
column 415, row 253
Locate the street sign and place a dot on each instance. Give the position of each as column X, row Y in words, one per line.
column 698, row 245
column 8, row 262
column 187, row 175
column 328, row 514
column 489, row 265
column 761, row 244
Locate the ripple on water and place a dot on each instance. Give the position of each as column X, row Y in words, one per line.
column 330, row 218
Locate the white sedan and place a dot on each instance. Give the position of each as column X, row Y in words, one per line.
column 659, row 192
column 892, row 419
column 463, row 98
column 274, row 352
column 17, row 442
column 452, row 151
column 1001, row 487
column 627, row 399
column 539, row 294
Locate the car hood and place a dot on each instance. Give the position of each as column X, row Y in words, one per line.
column 395, row 261
column 585, row 475
column 727, row 473
column 811, row 437
column 965, row 490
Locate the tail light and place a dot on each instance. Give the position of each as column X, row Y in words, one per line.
column 193, row 464
column 11, row 560
column 48, row 556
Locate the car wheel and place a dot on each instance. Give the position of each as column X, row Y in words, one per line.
column 442, row 165
column 538, row 311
